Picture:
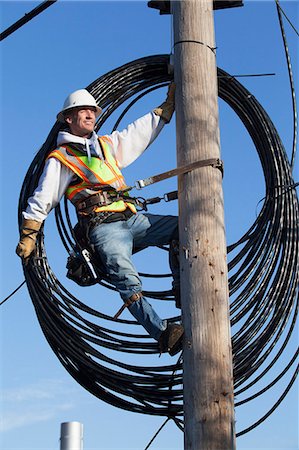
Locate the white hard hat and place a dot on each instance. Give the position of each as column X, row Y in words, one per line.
column 76, row 99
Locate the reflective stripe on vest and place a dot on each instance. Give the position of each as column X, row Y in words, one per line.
column 94, row 174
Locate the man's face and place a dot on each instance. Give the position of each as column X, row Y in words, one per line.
column 81, row 121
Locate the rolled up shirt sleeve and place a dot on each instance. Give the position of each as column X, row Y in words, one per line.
column 135, row 139
column 52, row 185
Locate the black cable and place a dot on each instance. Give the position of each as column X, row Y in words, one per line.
column 263, row 271
column 283, row 12
column 265, row 416
column 28, row 16
column 13, row 292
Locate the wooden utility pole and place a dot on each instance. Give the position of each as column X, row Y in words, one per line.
column 208, row 378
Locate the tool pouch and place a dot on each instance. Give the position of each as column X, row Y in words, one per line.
column 78, row 271
column 80, row 267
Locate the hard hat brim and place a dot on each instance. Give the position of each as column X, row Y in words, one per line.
column 61, row 114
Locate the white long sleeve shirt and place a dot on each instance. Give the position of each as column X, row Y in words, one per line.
column 128, row 145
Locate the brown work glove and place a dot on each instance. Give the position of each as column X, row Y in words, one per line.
column 26, row 245
column 166, row 110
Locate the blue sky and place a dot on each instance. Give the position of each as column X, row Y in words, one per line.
column 66, row 48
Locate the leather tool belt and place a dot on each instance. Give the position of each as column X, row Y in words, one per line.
column 104, row 198
column 88, row 222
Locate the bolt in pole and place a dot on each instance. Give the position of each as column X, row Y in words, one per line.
column 71, row 436
column 207, row 371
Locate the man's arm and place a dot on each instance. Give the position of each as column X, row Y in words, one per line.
column 52, row 185
column 130, row 143
column 136, row 138
column 51, row 188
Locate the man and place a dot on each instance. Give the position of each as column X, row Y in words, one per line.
column 87, row 169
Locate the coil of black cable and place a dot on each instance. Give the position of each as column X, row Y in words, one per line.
column 263, row 274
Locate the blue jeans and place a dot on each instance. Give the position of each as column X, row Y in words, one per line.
column 114, row 243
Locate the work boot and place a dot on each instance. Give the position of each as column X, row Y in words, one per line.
column 171, row 339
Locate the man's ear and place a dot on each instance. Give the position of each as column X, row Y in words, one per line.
column 68, row 120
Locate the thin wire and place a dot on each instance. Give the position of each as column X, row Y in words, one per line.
column 28, row 16
column 193, row 41
column 250, row 75
column 156, row 434
column 291, row 79
column 10, row 295
column 283, row 12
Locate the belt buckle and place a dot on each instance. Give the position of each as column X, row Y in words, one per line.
column 104, row 198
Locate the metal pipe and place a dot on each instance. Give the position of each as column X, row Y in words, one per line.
column 71, row 436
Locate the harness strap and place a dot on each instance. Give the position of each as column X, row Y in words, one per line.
column 100, row 198
column 105, row 198
column 214, row 162
column 129, row 302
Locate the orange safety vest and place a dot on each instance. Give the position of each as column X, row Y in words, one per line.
column 94, row 175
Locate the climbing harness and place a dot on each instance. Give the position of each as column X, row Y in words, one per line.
column 80, row 265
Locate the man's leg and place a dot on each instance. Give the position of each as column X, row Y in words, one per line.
column 152, row 230
column 113, row 243
column 161, row 230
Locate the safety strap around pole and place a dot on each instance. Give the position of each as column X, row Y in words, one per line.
column 214, row 162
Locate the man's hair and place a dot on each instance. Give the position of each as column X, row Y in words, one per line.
column 68, row 112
